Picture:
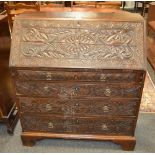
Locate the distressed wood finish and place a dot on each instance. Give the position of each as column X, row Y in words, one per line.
column 77, row 90
column 80, row 107
column 80, row 75
column 109, row 76
column 85, row 125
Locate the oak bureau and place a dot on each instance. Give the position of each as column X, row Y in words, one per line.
column 78, row 75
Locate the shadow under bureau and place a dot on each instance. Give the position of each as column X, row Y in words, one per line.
column 78, row 75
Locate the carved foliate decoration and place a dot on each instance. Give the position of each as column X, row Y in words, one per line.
column 78, row 43
column 79, row 107
column 109, row 76
column 115, row 43
column 78, row 125
column 73, row 44
column 62, row 90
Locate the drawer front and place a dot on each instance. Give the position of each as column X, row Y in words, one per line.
column 77, row 90
column 87, row 125
column 104, row 76
column 80, row 107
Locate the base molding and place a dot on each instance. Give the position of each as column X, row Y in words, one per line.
column 127, row 142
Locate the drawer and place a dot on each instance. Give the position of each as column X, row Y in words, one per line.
column 77, row 90
column 80, row 107
column 111, row 76
column 85, row 125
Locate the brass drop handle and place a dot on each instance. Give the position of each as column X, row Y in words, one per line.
column 107, row 92
column 75, row 77
column 46, row 88
column 50, row 125
column 48, row 76
column 105, row 108
column 76, row 104
column 77, row 121
column 103, row 77
column 104, row 127
column 48, row 107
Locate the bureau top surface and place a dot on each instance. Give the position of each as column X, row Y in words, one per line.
column 78, row 40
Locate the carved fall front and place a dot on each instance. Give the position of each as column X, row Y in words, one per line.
column 79, row 42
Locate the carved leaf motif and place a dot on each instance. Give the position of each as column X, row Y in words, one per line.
column 34, row 35
column 100, row 54
column 79, row 107
column 101, row 43
column 42, row 36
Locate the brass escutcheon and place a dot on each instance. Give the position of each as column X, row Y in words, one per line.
column 75, row 90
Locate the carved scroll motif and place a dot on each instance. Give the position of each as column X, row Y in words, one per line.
column 104, row 42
